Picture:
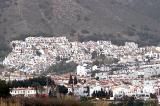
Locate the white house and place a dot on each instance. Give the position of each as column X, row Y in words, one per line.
column 27, row 92
column 23, row 92
column 82, row 70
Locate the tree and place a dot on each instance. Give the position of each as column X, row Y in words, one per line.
column 70, row 80
column 102, row 94
column 96, row 62
column 97, row 78
column 62, row 89
column 38, row 53
column 107, row 95
column 14, row 45
column 110, row 93
column 94, row 94
column 36, row 85
column 43, row 81
column 154, row 96
column 63, row 67
column 58, row 58
column 94, row 55
column 75, row 80
column 102, row 56
column 50, row 93
column 4, row 89
column 88, row 91
column 108, row 60
column 131, row 101
column 148, row 59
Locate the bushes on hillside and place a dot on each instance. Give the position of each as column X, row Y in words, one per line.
column 63, row 67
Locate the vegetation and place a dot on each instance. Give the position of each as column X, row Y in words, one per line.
column 105, row 60
column 62, row 89
column 102, row 94
column 94, row 54
column 38, row 53
column 117, row 39
column 58, row 58
column 71, row 101
column 4, row 48
column 130, row 101
column 1, row 66
column 62, row 67
column 70, row 80
column 40, row 81
column 25, row 35
column 66, row 101
column 4, row 89
column 103, row 36
column 73, row 81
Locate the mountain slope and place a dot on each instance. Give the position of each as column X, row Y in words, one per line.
column 116, row 20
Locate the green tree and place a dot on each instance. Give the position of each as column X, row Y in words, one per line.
column 70, row 80
column 97, row 78
column 75, row 80
column 4, row 89
column 43, row 81
column 38, row 53
column 62, row 67
column 36, row 85
column 110, row 93
column 58, row 58
column 96, row 62
column 94, row 94
column 94, row 55
column 62, row 90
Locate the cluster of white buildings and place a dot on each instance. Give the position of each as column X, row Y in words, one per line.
column 38, row 53
column 132, row 75
column 86, row 86
column 119, row 86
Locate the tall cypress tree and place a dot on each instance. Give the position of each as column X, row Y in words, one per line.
column 70, row 80
column 75, row 80
column 110, row 93
column 94, row 94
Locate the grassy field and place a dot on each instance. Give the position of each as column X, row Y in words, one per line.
column 68, row 101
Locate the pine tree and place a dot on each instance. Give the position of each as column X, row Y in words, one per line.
column 94, row 94
column 110, row 93
column 70, row 80
column 75, row 80
column 88, row 91
column 107, row 95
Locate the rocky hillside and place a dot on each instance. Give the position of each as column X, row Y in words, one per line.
column 116, row 20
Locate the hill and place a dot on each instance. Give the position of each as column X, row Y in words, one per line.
column 116, row 20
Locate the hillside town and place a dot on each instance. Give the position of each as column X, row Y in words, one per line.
column 101, row 66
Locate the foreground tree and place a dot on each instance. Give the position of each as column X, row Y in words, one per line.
column 36, row 85
column 43, row 81
column 75, row 80
column 70, row 80
column 62, row 90
column 4, row 89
